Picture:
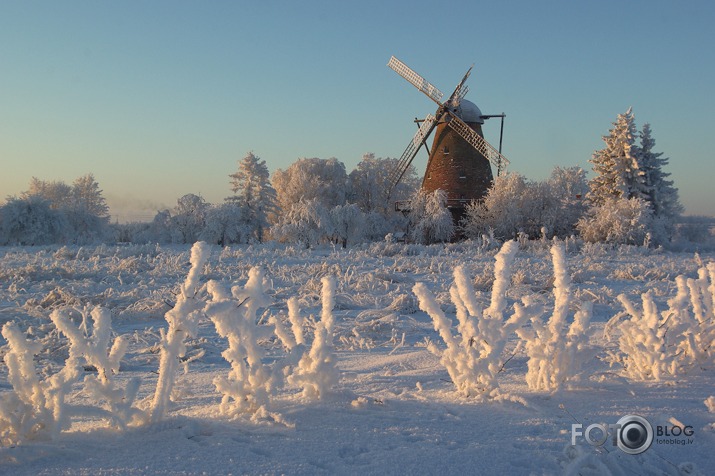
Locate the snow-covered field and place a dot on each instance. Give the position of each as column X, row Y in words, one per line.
column 394, row 408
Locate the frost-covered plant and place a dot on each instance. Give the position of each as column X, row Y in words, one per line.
column 699, row 343
column 654, row 344
column 183, row 322
column 249, row 385
column 306, row 222
column 92, row 348
column 430, row 220
column 647, row 348
column 35, row 407
column 317, row 372
column 475, row 358
column 556, row 350
column 617, row 220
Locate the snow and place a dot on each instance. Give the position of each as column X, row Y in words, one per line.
column 381, row 402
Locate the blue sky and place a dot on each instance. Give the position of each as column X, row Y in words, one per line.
column 159, row 99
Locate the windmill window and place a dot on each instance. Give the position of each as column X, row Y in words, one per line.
column 463, row 175
column 445, row 150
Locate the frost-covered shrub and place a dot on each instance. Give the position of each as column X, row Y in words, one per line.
column 618, row 221
column 656, row 344
column 693, row 308
column 86, row 227
column 249, row 385
column 183, row 321
column 648, row 348
column 90, row 346
column 474, row 360
column 556, row 350
column 158, row 231
column 316, row 372
column 36, row 407
column 430, row 220
column 516, row 205
column 31, row 221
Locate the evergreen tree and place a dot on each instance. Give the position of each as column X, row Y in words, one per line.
column 254, row 194
column 618, row 173
column 659, row 191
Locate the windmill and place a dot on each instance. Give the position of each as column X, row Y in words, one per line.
column 460, row 159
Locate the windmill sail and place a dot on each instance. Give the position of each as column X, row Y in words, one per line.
column 460, row 159
column 416, row 80
column 478, row 142
column 410, row 152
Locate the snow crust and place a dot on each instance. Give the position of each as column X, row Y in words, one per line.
column 286, row 360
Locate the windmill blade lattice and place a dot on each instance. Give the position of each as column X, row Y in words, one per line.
column 410, row 152
column 416, row 80
column 461, row 164
column 478, row 142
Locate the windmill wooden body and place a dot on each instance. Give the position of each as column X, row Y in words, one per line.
column 460, row 159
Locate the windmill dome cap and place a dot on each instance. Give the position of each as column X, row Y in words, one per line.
column 469, row 112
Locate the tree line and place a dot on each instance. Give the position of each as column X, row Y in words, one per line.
column 630, row 199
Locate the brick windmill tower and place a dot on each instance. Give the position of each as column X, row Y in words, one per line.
column 460, row 159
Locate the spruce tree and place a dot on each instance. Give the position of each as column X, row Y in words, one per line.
column 617, row 169
column 253, row 193
column 659, row 192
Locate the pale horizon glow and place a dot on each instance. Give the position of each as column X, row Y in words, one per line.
column 162, row 99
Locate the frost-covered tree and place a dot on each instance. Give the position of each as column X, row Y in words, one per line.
column 189, row 217
column 87, row 197
column 57, row 193
column 659, row 192
column 82, row 205
column 369, row 184
column 225, row 224
column 348, row 224
column 568, row 187
column 430, row 220
column 617, row 169
column 311, row 179
column 254, row 194
column 32, row 221
column 160, row 230
column 307, row 222
column 626, row 171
